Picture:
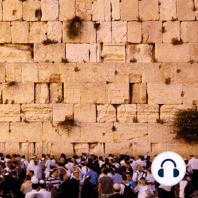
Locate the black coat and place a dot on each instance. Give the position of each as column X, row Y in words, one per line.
column 116, row 195
column 87, row 190
column 70, row 188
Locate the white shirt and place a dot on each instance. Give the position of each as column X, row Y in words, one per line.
column 137, row 176
column 122, row 187
column 142, row 163
column 101, row 163
column 45, row 193
column 32, row 193
column 34, row 179
column 142, row 191
column 69, row 166
column 133, row 165
column 193, row 163
column 182, row 185
column 47, row 165
column 150, row 178
column 53, row 161
column 84, row 170
column 166, row 188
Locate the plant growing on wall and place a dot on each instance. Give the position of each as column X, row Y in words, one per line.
column 167, row 81
column 163, row 30
column 11, row 83
column 134, row 60
column 160, row 121
column 64, row 60
column 68, row 123
column 49, row 41
column 176, row 41
column 97, row 25
column 73, row 27
column 186, row 125
column 113, row 128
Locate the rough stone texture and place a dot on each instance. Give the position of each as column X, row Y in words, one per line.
column 151, row 32
column 149, row 10
column 83, row 10
column 115, row 9
column 67, row 9
column 19, row 93
column 13, row 72
column 55, row 92
column 4, row 134
column 129, row 10
column 54, row 31
column 67, row 72
column 12, row 10
column 50, row 10
column 160, row 93
column 77, row 52
column 134, row 32
column 193, row 48
column 138, row 93
column 10, row 113
column 2, row 72
column 84, row 113
column 188, row 32
column 93, row 53
column 190, row 93
column 1, row 10
column 88, row 29
column 104, row 33
column 184, row 10
column 141, row 52
column 49, row 53
column 42, row 93
column 37, row 112
column 168, row 10
column 106, row 113
column 119, row 32
column 20, row 32
column 62, row 110
column 121, row 73
column 126, row 112
column 113, row 53
column 72, row 93
column 29, row 73
column 172, row 31
column 147, row 113
column 5, row 33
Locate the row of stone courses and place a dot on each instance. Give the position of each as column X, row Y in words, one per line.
column 98, row 10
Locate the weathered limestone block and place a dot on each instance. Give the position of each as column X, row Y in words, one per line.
column 190, row 93
column 151, row 32
column 2, row 72
column 10, row 112
column 168, row 10
column 93, row 53
column 113, row 53
column 77, row 52
column 1, row 11
column 62, row 110
column 96, row 132
column 134, row 32
column 188, row 32
column 42, row 93
column 19, row 93
column 160, row 93
column 37, row 112
column 115, row 9
column 121, row 73
column 107, row 10
column 147, row 113
column 129, row 10
column 13, row 72
column 67, row 72
column 38, row 32
column 66, row 148
column 5, row 33
column 20, row 32
column 97, row 148
column 106, row 113
column 142, row 52
column 165, row 52
column 82, row 11
column 88, row 29
column 26, row 132
column 136, row 71
column 193, row 51
column 99, row 52
column 184, row 10
column 49, row 53
column 55, row 92
column 29, row 73
column 12, row 10
column 150, row 72
column 50, row 10
column 54, row 30
column 139, row 93
column 172, row 31
column 104, row 33
column 118, row 93
column 119, row 31
column 80, row 148
column 4, row 133
column 167, row 112
column 29, row 10
column 126, row 112
column 135, row 78
column 15, row 53
column 149, row 10
column 85, row 113
column 72, row 92
column 67, row 9
column 11, row 147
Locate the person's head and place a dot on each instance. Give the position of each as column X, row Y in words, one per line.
column 43, row 155
column 117, row 170
column 74, row 168
column 76, row 174
column 7, row 176
column 62, row 160
column 142, row 181
column 122, row 163
column 105, row 171
column 55, row 173
column 14, row 155
column 12, row 167
column 91, row 166
column 139, row 168
column 52, row 156
column 148, row 158
column 27, row 178
column 14, row 173
column 48, row 156
column 116, row 188
column 35, row 186
column 23, row 156
column 128, row 174
column 191, row 156
column 15, row 163
column 100, row 158
column 8, row 164
column 42, row 184
column 31, row 173
column 124, row 178
column 142, row 158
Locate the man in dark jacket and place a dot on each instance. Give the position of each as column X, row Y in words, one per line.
column 116, row 190
column 87, row 188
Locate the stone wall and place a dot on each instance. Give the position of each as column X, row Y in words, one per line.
column 115, row 76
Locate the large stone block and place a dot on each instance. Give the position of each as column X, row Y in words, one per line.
column 119, row 31
column 4, row 133
column 115, row 9
column 67, row 72
column 129, row 10
column 104, row 33
column 147, row 113
column 93, row 52
column 83, row 10
column 150, row 72
column 10, row 147
column 168, row 10
column 88, row 29
column 160, row 93
column 15, row 53
column 85, row 113
column 10, row 112
column 62, row 110
column 149, row 10
column 49, row 53
column 167, row 112
column 37, row 112
column 19, row 93
column 184, row 10
column 121, row 73
column 2, row 72
column 118, row 93
column 42, row 93
column 1, row 11
column 13, row 72
column 12, row 10
column 190, row 93
column 64, row 147
column 5, row 33
column 30, row 73
column 134, row 32
column 151, row 32
column 38, row 32
column 172, row 31
column 141, row 52
column 54, row 31
column 20, row 32
column 188, row 32
column 77, row 52
column 50, row 10
column 113, row 53
column 126, row 112
column 139, row 93
column 193, row 48
column 106, row 113
column 26, row 132
column 55, row 92
column 67, row 9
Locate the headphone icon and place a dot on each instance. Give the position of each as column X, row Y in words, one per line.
column 175, row 170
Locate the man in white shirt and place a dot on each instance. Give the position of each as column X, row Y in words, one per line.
column 47, row 163
column 150, row 180
column 43, row 191
column 34, row 192
column 34, row 179
column 138, row 174
column 193, row 164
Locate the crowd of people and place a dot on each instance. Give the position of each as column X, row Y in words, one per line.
column 89, row 177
